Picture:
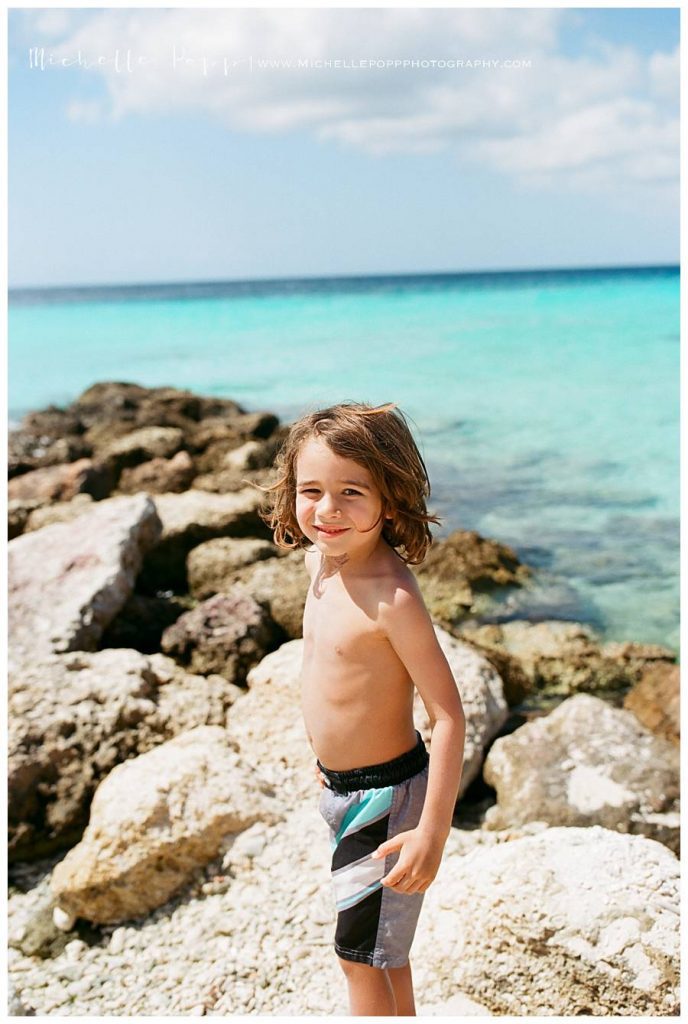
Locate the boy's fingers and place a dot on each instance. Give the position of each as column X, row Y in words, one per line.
column 391, row 879
column 397, row 887
column 390, row 845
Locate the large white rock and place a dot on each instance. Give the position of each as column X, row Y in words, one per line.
column 568, row 921
column 141, row 445
column 69, row 580
column 586, row 763
column 202, row 511
column 268, row 725
column 155, row 819
column 482, row 696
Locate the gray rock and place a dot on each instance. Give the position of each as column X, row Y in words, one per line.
column 249, row 455
column 156, row 819
column 140, row 446
column 281, row 584
column 190, row 519
column 220, row 425
column 15, row 1007
column 656, row 700
column 60, row 512
column 562, row 658
column 567, row 922
column 115, row 404
column 211, row 566
column 462, row 570
column 72, row 718
column 186, row 700
column 46, row 438
column 268, row 725
column 224, row 449
column 227, row 634
column 586, row 763
column 59, row 483
column 482, row 696
column 229, row 481
column 32, row 931
column 142, row 621
column 159, row 476
column 18, row 512
column 69, row 580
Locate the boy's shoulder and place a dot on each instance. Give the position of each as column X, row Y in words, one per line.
column 393, row 579
column 399, row 577
column 400, row 604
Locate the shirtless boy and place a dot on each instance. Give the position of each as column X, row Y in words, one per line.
column 352, row 495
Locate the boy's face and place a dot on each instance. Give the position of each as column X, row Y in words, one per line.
column 335, row 492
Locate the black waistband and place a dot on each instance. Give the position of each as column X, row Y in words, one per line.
column 388, row 773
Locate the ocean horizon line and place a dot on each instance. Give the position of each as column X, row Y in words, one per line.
column 64, row 290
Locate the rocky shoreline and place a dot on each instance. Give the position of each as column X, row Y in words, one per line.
column 166, row 851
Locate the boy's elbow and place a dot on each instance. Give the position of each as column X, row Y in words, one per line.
column 454, row 716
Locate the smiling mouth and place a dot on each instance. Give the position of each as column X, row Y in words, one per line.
column 329, row 532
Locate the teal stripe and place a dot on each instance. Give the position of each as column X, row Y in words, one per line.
column 375, row 803
column 350, row 900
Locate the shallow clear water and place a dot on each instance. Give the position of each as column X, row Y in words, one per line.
column 546, row 403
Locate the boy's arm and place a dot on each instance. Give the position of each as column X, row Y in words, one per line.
column 410, row 631
column 309, row 561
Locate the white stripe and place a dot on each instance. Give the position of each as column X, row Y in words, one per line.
column 359, row 897
column 357, row 876
column 345, row 867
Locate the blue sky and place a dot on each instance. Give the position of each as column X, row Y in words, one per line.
column 165, row 174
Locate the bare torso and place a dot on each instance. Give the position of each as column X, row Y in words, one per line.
column 356, row 694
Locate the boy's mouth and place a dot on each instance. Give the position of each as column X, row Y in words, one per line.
column 331, row 531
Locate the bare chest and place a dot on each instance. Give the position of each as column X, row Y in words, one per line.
column 338, row 626
column 356, row 693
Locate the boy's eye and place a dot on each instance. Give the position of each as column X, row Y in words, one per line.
column 314, row 490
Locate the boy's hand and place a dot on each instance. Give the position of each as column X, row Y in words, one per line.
column 418, row 861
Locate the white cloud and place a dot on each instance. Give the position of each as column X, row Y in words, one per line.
column 87, row 111
column 664, row 70
column 53, row 23
column 578, row 122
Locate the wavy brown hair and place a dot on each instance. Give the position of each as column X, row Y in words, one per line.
column 378, row 438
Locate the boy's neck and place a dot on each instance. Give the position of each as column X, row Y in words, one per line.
column 348, row 567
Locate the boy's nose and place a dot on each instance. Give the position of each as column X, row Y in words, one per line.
column 328, row 506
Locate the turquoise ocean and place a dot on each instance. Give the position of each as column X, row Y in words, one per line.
column 545, row 403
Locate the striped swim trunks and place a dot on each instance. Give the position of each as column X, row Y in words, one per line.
column 363, row 807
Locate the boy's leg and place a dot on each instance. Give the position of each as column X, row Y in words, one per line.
column 370, row 990
column 402, row 986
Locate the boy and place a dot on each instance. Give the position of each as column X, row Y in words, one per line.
column 352, row 494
